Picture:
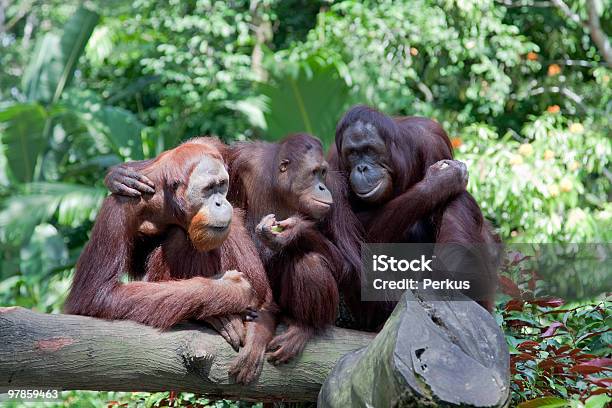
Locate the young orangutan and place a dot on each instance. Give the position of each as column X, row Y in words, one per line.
column 286, row 181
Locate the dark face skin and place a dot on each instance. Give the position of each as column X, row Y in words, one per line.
column 209, row 213
column 367, row 159
column 304, row 184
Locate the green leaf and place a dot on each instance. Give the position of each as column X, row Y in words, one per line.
column 55, row 58
column 108, row 127
column 139, row 85
column 252, row 109
column 545, row 402
column 100, row 45
column 597, row 401
column 123, row 131
column 45, row 251
column 72, row 204
column 309, row 98
column 22, row 134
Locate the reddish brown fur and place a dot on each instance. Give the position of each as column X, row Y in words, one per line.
column 177, row 280
column 411, row 215
column 304, row 273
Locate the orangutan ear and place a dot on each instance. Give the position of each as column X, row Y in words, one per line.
column 283, row 165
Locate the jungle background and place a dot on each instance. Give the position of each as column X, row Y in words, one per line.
column 522, row 86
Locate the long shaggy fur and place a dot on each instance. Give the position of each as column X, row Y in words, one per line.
column 304, row 274
column 177, row 282
column 414, row 144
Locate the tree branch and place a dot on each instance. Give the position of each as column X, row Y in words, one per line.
column 23, row 10
column 592, row 24
column 2, row 8
column 81, row 353
column 527, row 3
column 600, row 38
column 262, row 30
column 567, row 11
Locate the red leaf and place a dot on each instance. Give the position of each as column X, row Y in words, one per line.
column 514, row 304
column 546, row 364
column 598, row 391
column 587, row 369
column 602, row 382
column 582, row 357
column 509, row 287
column 172, row 397
column 563, row 349
column 529, row 344
column 522, row 357
column 548, row 302
column 518, row 323
column 552, row 329
column 532, row 282
column 600, row 362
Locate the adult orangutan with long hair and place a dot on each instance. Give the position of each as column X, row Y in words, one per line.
column 176, row 242
column 388, row 164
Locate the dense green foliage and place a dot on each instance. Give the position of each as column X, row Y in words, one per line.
column 559, row 351
column 521, row 87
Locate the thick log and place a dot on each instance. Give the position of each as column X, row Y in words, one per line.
column 429, row 353
column 39, row 351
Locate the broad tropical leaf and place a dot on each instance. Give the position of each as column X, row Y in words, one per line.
column 597, row 401
column 123, row 131
column 52, row 66
column 109, row 127
column 22, row 134
column 252, row 109
column 309, row 99
column 45, row 251
column 69, row 204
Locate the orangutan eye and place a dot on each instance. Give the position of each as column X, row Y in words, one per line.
column 283, row 165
